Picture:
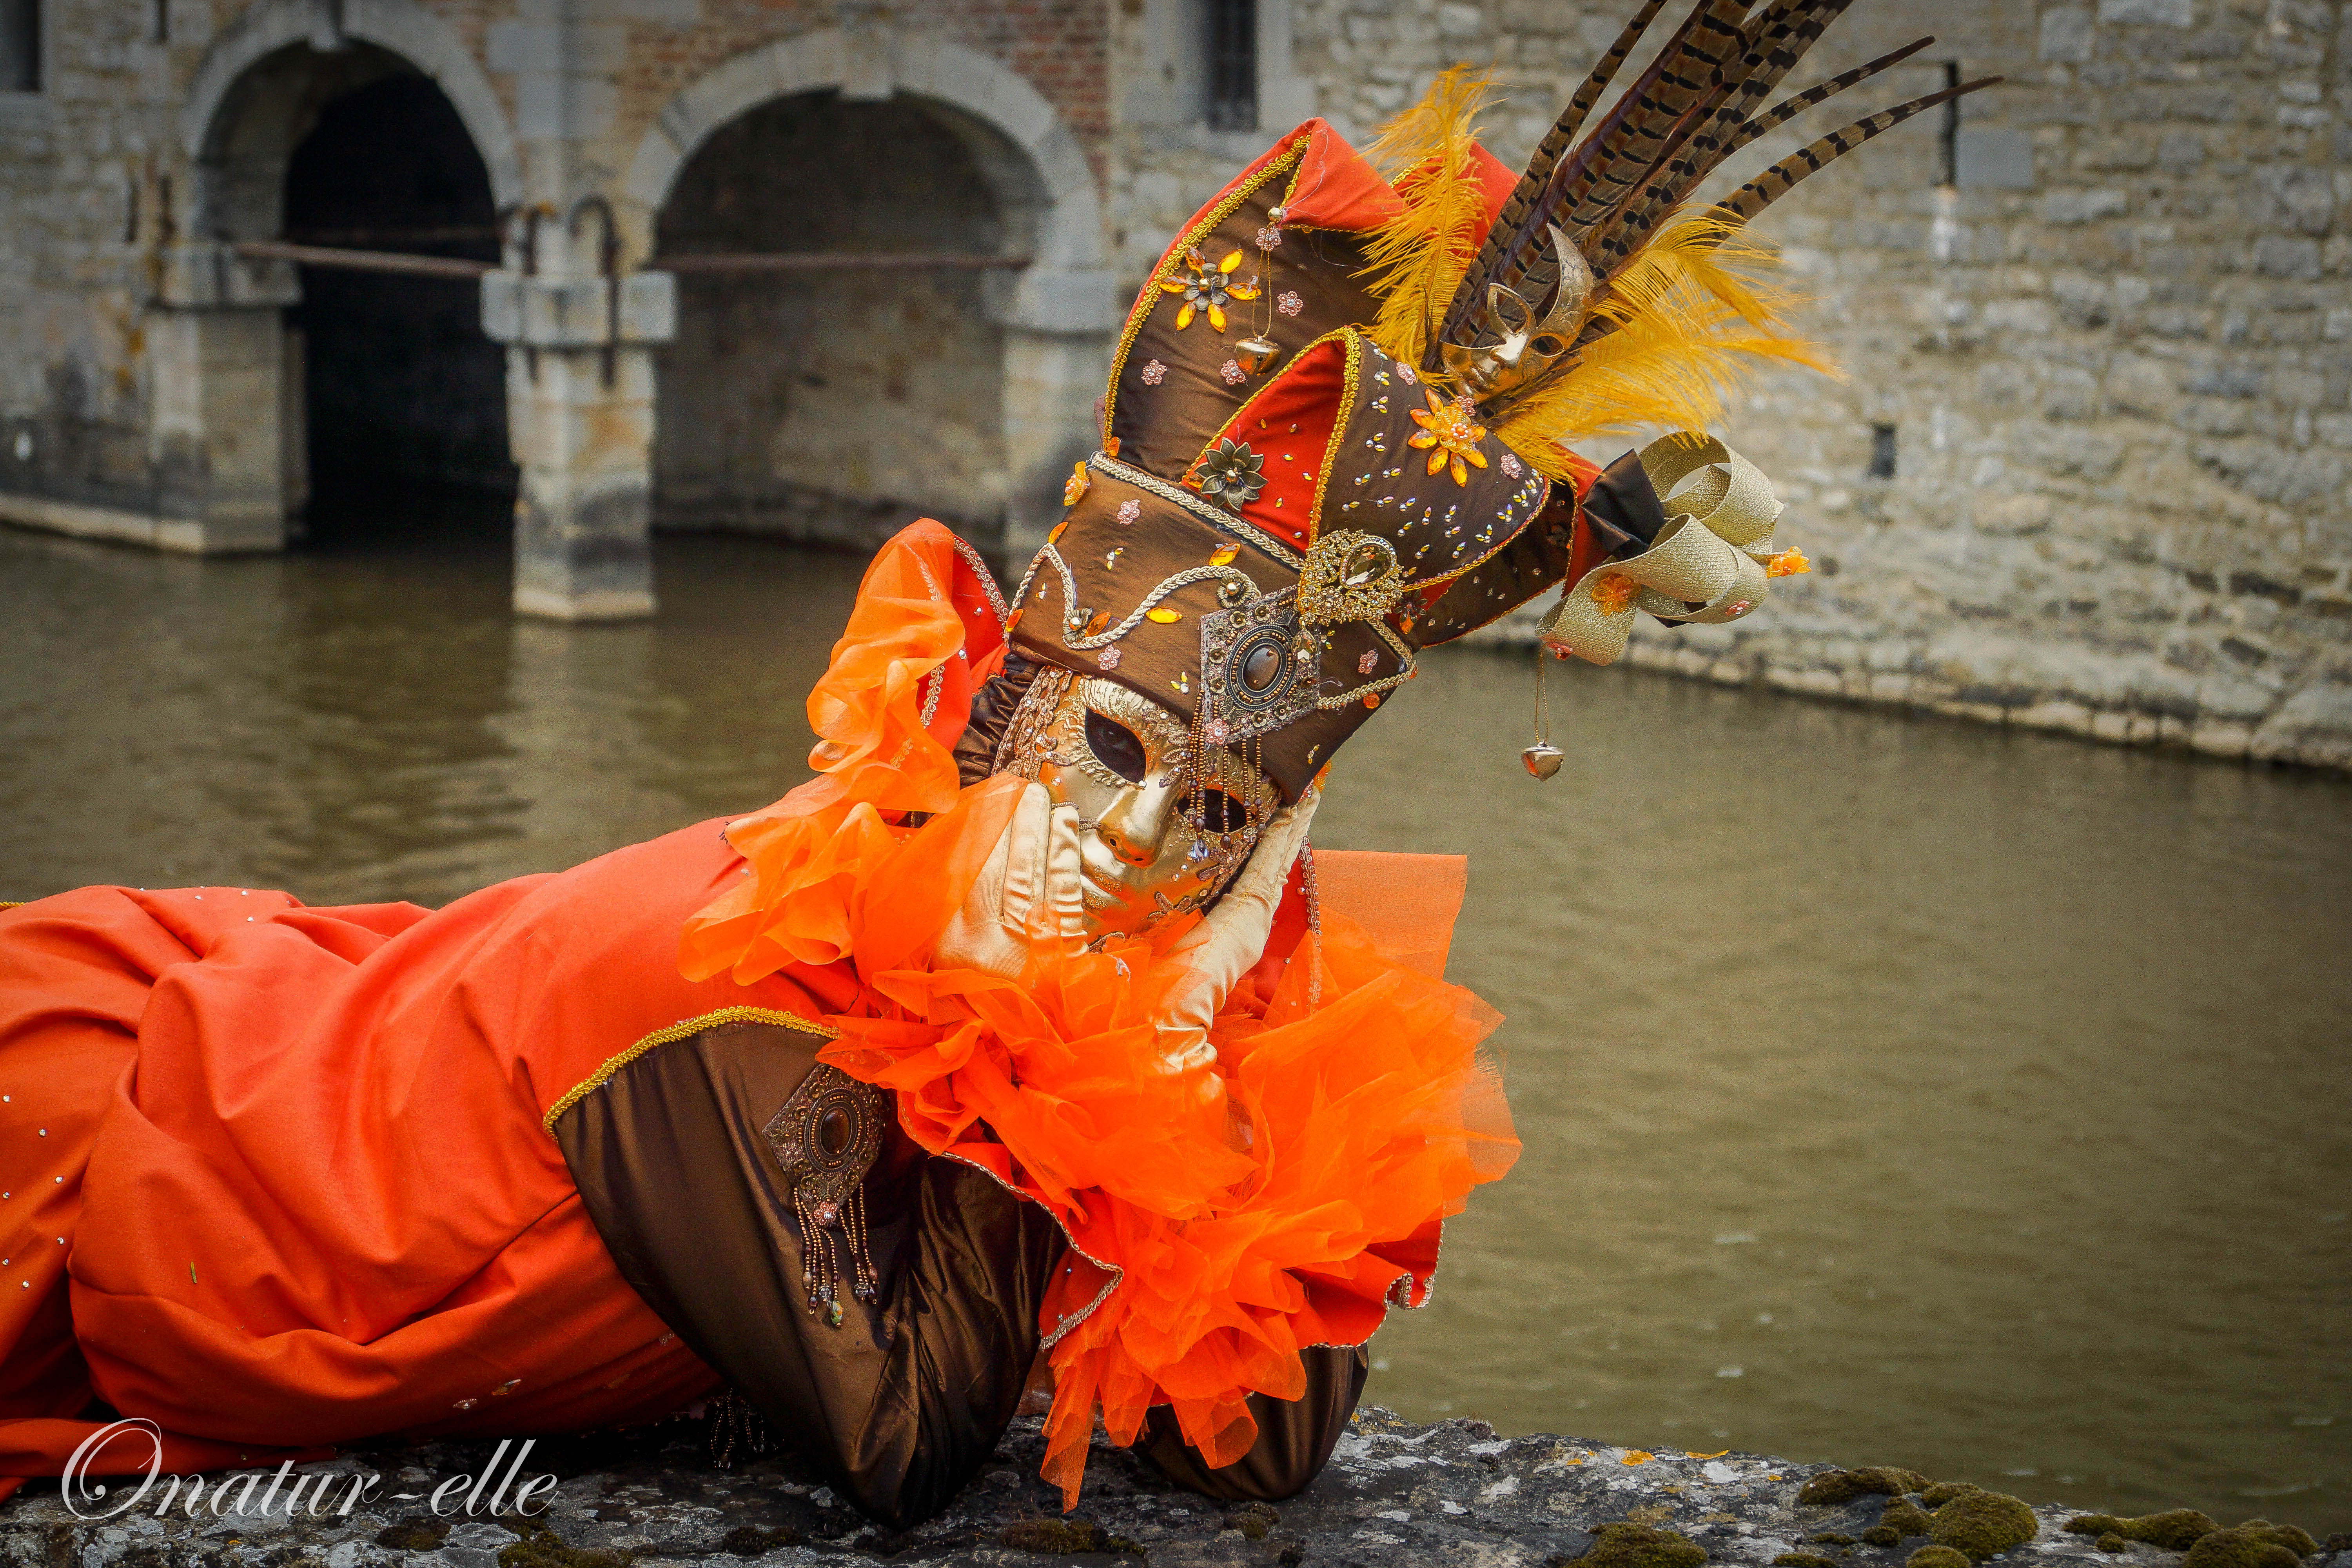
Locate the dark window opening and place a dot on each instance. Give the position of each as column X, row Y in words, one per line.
column 1232, row 64
column 162, row 21
column 403, row 398
column 1947, row 131
column 20, row 46
column 1882, row 452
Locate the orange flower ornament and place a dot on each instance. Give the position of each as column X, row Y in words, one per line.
column 1449, row 433
column 1207, row 289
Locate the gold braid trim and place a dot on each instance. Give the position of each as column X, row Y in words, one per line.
column 14, row 903
column 684, row 1029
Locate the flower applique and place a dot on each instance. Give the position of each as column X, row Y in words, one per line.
column 1450, row 434
column 1230, row 472
column 1154, row 372
column 1207, row 289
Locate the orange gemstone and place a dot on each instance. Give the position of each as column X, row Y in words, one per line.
column 1222, row 554
column 1058, row 530
column 1101, row 624
column 1111, row 445
column 1014, row 620
column 1164, row 615
column 1371, row 699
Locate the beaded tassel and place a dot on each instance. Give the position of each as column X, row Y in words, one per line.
column 828, row 1231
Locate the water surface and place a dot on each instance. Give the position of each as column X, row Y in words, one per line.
column 1895, row 1090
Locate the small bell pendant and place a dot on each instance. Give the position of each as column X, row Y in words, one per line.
column 1254, row 353
column 1543, row 758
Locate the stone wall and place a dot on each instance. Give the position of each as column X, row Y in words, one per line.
column 2110, row 347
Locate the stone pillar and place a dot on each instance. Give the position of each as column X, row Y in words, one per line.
column 216, row 443
column 580, row 415
column 1059, row 325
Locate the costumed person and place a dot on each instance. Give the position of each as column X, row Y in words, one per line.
column 1030, row 1027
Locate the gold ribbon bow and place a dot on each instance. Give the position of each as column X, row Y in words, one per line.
column 1712, row 562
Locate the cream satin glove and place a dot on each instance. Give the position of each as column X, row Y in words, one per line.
column 1230, row 939
column 1028, row 892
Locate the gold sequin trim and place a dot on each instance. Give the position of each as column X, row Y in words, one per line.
column 679, row 1031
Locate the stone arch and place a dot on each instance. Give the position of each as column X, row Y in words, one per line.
column 1039, row 173
column 400, row 27
column 1057, row 313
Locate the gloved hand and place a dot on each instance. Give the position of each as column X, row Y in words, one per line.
column 1028, row 891
column 1230, row 939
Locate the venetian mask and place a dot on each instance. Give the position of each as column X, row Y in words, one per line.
column 1155, row 840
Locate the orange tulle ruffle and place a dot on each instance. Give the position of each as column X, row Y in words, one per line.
column 1221, row 1219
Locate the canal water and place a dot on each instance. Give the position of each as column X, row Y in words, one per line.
column 1895, row 1090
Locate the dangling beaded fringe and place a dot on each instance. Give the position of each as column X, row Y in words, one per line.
column 827, row 1232
column 736, row 1424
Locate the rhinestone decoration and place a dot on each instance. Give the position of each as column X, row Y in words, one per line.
column 1288, row 302
column 1108, row 658
column 1368, row 662
column 1259, row 668
column 1270, row 238
column 1233, row 373
column 1154, row 372
column 1404, row 373
column 1350, row 576
column 1129, row 511
column 1510, row 465
column 826, row 1138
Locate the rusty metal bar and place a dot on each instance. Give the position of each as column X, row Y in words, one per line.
column 360, row 260
column 837, row 261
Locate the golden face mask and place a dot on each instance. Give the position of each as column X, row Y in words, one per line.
column 1155, row 840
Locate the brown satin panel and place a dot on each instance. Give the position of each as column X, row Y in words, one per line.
column 900, row 1405
column 992, row 711
column 1295, row 1438
column 1165, row 540
column 1379, row 484
column 1160, row 429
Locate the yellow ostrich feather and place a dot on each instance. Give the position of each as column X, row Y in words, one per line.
column 1693, row 321
column 1416, row 259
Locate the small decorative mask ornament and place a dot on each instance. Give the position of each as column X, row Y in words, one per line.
column 1230, row 472
column 1524, row 347
column 1207, row 289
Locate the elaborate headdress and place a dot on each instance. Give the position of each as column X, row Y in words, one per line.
column 1335, row 432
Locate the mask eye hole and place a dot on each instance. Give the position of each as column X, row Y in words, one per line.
column 1549, row 344
column 1116, row 747
column 1221, row 813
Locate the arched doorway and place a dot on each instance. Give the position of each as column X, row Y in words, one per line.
column 831, row 406
column 403, row 399
column 387, row 395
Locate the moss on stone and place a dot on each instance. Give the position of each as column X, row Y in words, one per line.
column 1832, row 1486
column 1256, row 1520
column 1883, row 1535
column 414, row 1533
column 1905, row 1517
column 1984, row 1524
column 1942, row 1492
column 751, row 1541
column 547, row 1550
column 2257, row 1544
column 1830, row 1537
column 1064, row 1536
column 2112, row 1543
column 1937, row 1557
column 2176, row 1530
column 1641, row 1546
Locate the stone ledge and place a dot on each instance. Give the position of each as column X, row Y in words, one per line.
column 1393, row 1493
